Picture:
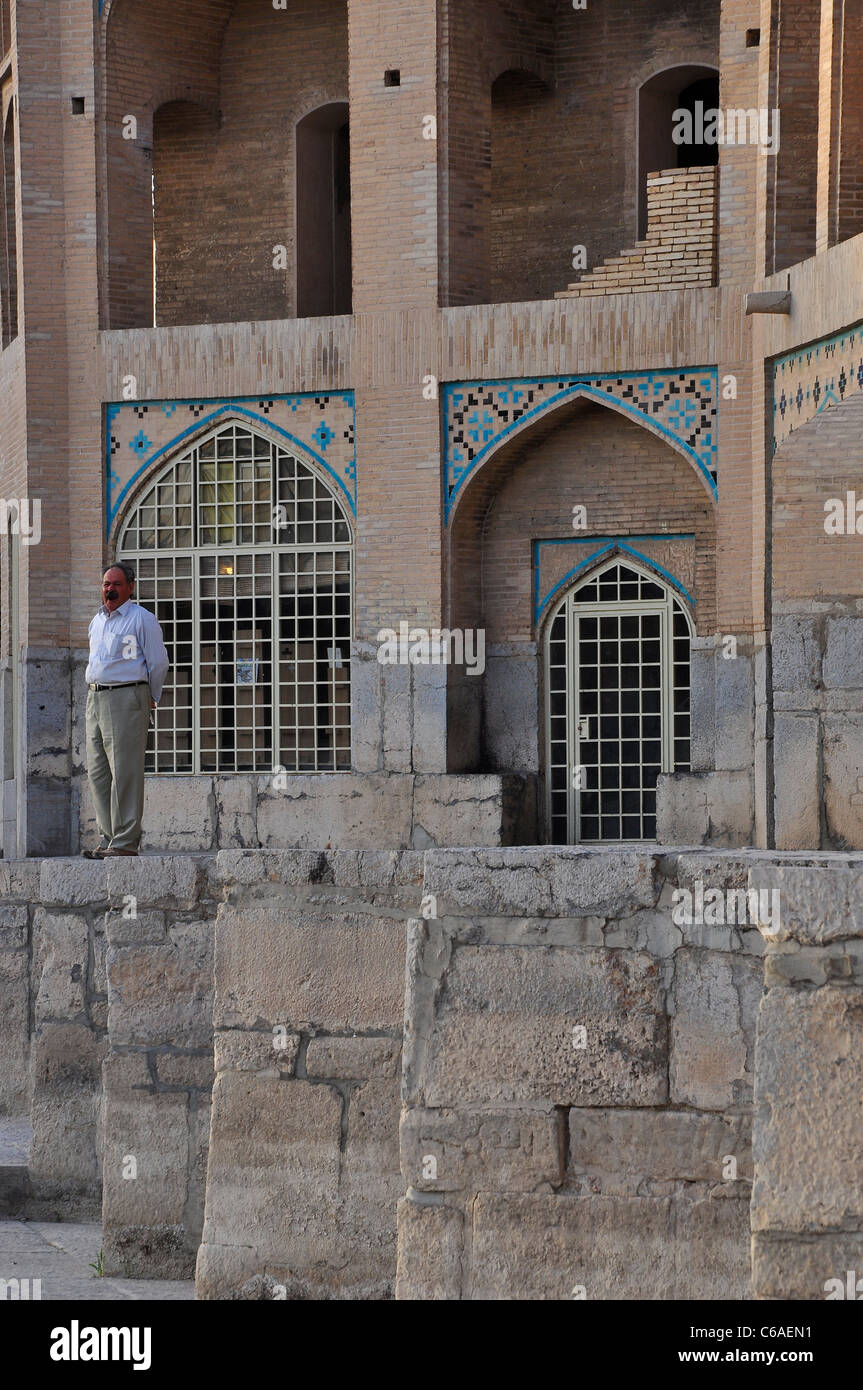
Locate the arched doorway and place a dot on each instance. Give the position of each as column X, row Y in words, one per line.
column 244, row 553
column 617, row 703
column 675, row 89
column 324, row 212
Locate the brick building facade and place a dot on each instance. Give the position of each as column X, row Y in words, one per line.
column 432, row 278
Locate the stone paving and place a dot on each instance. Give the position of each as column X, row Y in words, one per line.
column 60, row 1254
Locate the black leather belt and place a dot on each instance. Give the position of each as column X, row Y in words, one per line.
column 124, row 685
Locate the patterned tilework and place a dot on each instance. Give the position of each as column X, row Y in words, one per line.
column 479, row 415
column 807, row 380
column 557, row 562
column 140, row 434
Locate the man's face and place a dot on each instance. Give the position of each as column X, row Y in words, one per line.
column 116, row 589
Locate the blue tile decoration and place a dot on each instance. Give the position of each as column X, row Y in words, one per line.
column 681, row 406
column 589, row 549
column 809, row 379
column 323, row 427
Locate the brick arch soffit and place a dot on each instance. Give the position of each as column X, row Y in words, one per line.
column 520, row 62
column 646, row 73
column 461, row 472
column 118, row 510
column 608, row 548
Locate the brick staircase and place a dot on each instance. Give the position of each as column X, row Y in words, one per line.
column 680, row 246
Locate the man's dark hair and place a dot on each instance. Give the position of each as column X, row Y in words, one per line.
column 120, row 565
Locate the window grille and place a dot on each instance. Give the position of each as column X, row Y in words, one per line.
column 617, row 692
column 244, row 554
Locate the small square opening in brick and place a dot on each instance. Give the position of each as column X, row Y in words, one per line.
column 78, row 106
column 393, row 77
column 753, row 38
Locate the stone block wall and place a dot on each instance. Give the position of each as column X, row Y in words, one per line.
column 309, row 987
column 578, row 1080
column 807, row 1198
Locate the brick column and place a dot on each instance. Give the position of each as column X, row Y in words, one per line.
column 394, row 182
column 840, row 123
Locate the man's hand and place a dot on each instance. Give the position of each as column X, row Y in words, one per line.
column 152, row 704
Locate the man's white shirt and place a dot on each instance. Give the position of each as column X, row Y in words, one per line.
column 127, row 646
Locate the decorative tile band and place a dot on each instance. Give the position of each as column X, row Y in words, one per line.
column 809, row 379
column 556, row 564
column 679, row 406
column 140, row 434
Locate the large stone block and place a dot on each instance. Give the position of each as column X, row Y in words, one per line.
column 14, row 1029
column 734, row 713
column 713, row 1028
column 466, row 1151
column 153, row 881
column 633, row 1248
column 842, row 751
column 797, row 786
column 353, row 1058
column 280, row 964
column 796, row 656
column 65, row 1166
column 808, row 1127
column 62, row 948
column 458, row 810
column 843, row 655
column 510, row 702
column 659, row 1145
column 808, row 1267
column 163, row 993
column 179, row 814
column 539, row 882
column 818, row 903
column 271, row 1052
column 73, row 882
column 343, row 809
column 272, row 1187
column 704, row 808
column 430, row 1251
column 237, row 811
column 570, row 1027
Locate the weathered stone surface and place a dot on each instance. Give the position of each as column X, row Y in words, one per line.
column 659, row 1145
column 20, row 878
column 797, row 801
column 62, row 951
column 14, row 1030
column 454, row 810
column 818, row 903
column 713, row 1028
column 239, row 1049
column 704, row 808
column 430, row 1251
column 163, row 994
column 504, row 1029
column 353, row 1058
column 146, row 1134
column 540, row 1247
column 274, row 1170
column 808, row 1127
column 13, row 926
column 73, row 882
column 181, row 811
column 153, row 881
column 843, row 656
column 145, row 927
column 537, row 882
column 304, row 968
column 796, row 654
column 733, row 713
column 349, row 810
column 185, row 1069
column 237, row 811
column 67, row 1067
column 460, row 1150
column 809, row 1267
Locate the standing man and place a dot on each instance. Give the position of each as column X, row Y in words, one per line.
column 127, row 669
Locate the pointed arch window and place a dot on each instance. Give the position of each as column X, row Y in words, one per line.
column 244, row 553
column 617, row 689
